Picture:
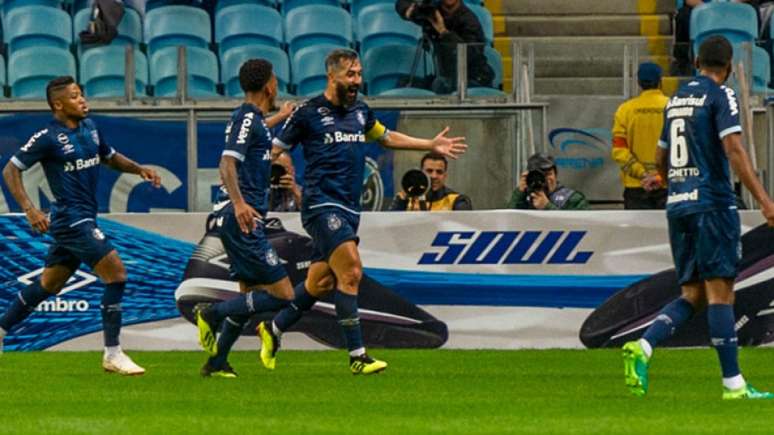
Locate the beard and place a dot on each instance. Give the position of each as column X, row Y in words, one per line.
column 343, row 93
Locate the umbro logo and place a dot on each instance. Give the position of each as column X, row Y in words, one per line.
column 78, row 280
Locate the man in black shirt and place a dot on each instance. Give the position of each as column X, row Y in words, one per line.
column 452, row 23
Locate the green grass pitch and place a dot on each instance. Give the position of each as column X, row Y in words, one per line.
column 422, row 392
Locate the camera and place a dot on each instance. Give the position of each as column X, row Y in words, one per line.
column 424, row 10
column 415, row 183
column 277, row 171
column 536, row 181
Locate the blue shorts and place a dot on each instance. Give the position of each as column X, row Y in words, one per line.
column 82, row 242
column 252, row 259
column 706, row 245
column 329, row 228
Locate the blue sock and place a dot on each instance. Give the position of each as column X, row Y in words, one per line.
column 346, row 312
column 111, row 312
column 289, row 315
column 229, row 333
column 723, row 337
column 248, row 304
column 23, row 305
column 669, row 320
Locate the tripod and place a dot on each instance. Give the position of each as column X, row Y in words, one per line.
column 423, row 46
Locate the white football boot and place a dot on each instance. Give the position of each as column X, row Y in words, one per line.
column 119, row 362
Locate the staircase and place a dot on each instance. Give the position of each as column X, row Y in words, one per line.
column 579, row 44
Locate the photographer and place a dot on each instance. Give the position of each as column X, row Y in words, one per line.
column 539, row 188
column 419, row 196
column 285, row 192
column 448, row 23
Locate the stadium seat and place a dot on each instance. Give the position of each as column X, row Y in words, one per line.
column 222, row 4
column 37, row 26
column 2, row 74
column 202, row 72
column 737, row 22
column 247, row 24
column 136, row 5
column 485, row 92
column 233, row 59
column 317, row 24
column 170, row 26
column 485, row 18
column 9, row 5
column 103, row 71
column 495, row 60
column 358, row 5
column 407, row 92
column 761, row 70
column 289, row 5
column 380, row 25
column 129, row 29
column 308, row 69
column 381, row 76
column 30, row 69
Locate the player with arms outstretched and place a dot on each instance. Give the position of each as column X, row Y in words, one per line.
column 71, row 149
column 332, row 128
column 701, row 136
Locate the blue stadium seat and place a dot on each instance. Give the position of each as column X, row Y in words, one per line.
column 289, row 5
column 761, row 70
column 736, row 21
column 136, row 5
column 317, row 24
column 170, row 26
column 103, row 71
column 129, row 29
column 495, row 60
column 30, row 69
column 9, row 5
column 358, row 5
column 247, row 24
column 485, row 18
column 308, row 68
column 485, row 92
column 381, row 25
column 381, row 76
column 202, row 72
column 222, row 4
column 474, row 2
column 233, row 59
column 408, row 92
column 2, row 74
column 37, row 26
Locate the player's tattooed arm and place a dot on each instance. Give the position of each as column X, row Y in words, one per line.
column 121, row 163
column 13, row 179
column 245, row 215
column 451, row 147
column 287, row 108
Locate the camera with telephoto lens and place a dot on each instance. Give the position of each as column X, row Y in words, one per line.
column 424, row 11
column 415, row 183
column 536, row 181
column 277, row 171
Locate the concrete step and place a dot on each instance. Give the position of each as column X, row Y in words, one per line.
column 587, row 46
column 579, row 7
column 595, row 85
column 587, row 25
column 584, row 66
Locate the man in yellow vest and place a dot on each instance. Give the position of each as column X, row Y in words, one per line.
column 440, row 197
column 637, row 127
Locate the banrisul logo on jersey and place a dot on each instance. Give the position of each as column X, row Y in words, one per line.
column 154, row 265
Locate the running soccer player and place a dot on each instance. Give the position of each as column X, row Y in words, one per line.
column 70, row 149
column 701, row 136
column 333, row 128
column 245, row 168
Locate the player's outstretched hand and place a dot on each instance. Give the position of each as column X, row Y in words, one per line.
column 246, row 216
column 150, row 175
column 451, row 147
column 37, row 219
column 768, row 212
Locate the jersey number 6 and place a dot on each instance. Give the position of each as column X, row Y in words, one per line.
column 678, row 155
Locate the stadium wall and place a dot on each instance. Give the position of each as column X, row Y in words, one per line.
column 498, row 279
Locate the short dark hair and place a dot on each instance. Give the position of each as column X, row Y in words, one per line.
column 335, row 57
column 55, row 85
column 254, row 74
column 715, row 52
column 432, row 155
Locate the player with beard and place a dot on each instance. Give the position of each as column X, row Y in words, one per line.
column 70, row 149
column 332, row 128
column 245, row 168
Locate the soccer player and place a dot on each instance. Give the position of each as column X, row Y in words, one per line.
column 332, row 129
column 701, row 136
column 245, row 169
column 71, row 149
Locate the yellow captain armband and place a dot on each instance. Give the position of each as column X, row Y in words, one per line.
column 377, row 133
